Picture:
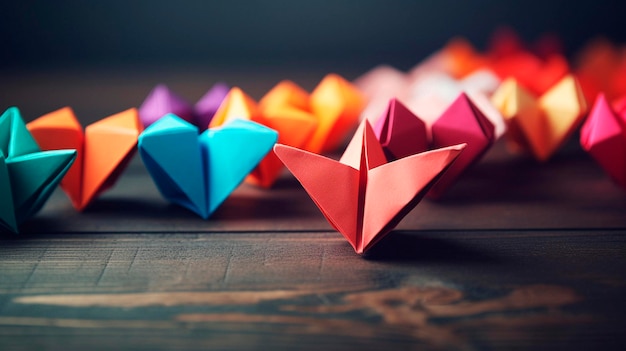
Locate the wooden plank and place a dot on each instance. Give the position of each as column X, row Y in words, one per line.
column 428, row 290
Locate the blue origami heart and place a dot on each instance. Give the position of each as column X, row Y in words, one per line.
column 200, row 171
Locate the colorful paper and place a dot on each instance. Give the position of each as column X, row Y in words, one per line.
column 531, row 72
column 378, row 86
column 540, row 125
column 104, row 149
column 337, row 104
column 362, row 195
column 199, row 171
column 162, row 101
column 601, row 68
column 208, row 105
column 286, row 94
column 507, row 57
column 431, row 94
column 294, row 126
column 28, row 176
column 402, row 134
column 603, row 136
column 428, row 90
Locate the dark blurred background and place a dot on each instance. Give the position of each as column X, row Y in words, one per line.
column 102, row 56
column 359, row 32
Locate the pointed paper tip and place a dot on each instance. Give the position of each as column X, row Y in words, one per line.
column 458, row 147
column 61, row 118
column 11, row 111
column 160, row 101
column 127, row 120
column 236, row 105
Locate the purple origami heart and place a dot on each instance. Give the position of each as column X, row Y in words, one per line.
column 208, row 104
column 162, row 101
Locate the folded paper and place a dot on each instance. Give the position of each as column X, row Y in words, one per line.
column 286, row 94
column 337, row 104
column 428, row 91
column 535, row 74
column 278, row 112
column 601, row 68
column 104, row 149
column 603, row 136
column 362, row 195
column 27, row 175
column 378, row 86
column 431, row 94
column 208, row 105
column 162, row 101
column 540, row 125
column 402, row 134
column 199, row 171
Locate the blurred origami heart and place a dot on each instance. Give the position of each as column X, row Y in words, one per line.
column 402, row 134
column 540, row 125
column 27, row 175
column 363, row 196
column 199, row 172
column 335, row 104
column 162, row 101
column 104, row 149
column 603, row 136
column 532, row 72
column 601, row 68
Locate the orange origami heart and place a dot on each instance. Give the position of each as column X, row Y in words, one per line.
column 104, row 149
column 285, row 94
column 294, row 128
column 337, row 104
column 540, row 125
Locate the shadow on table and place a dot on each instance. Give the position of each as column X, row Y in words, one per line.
column 410, row 246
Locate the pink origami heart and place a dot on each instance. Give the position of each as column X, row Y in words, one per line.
column 603, row 136
column 401, row 134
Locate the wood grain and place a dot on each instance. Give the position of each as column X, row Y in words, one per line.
column 417, row 290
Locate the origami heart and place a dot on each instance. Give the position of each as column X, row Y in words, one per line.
column 104, row 149
column 402, row 134
column 199, row 172
column 162, row 101
column 601, row 68
column 603, row 136
column 337, row 104
column 27, row 175
column 535, row 74
column 540, row 125
column 361, row 195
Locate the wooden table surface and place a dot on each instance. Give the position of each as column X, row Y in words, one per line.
column 518, row 255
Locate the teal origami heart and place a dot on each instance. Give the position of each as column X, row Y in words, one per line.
column 28, row 176
column 200, row 171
